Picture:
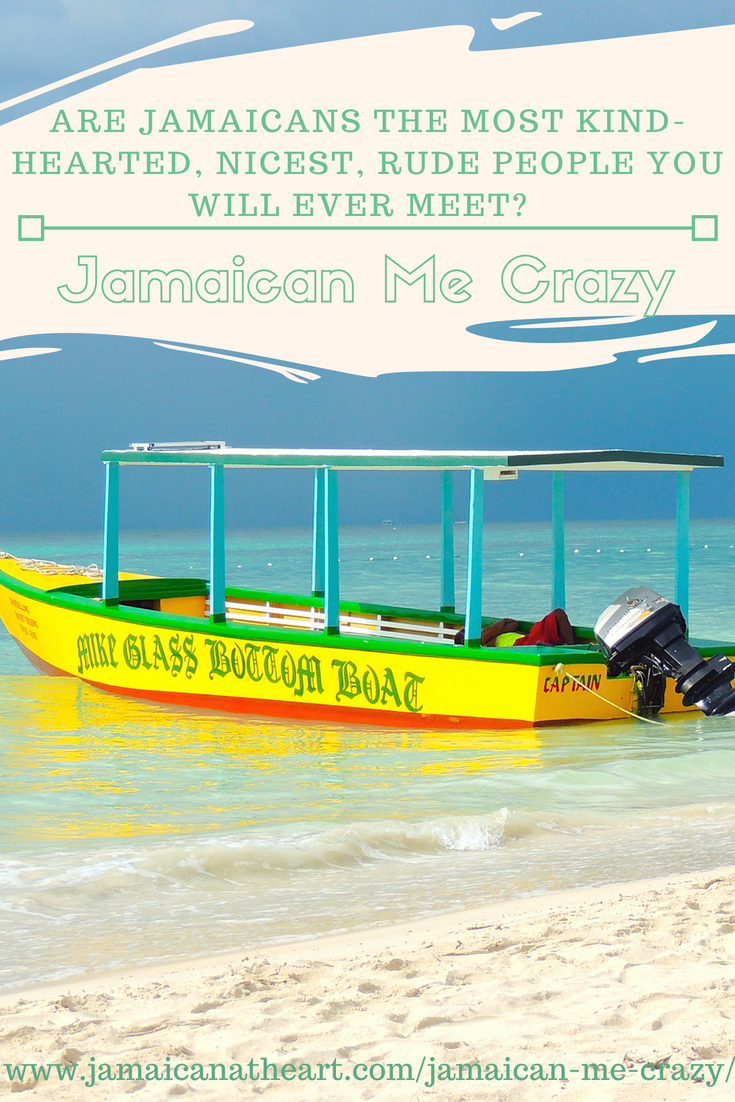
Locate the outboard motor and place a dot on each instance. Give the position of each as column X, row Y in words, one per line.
column 642, row 631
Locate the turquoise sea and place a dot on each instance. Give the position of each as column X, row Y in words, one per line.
column 134, row 833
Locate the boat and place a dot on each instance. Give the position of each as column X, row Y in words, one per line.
column 204, row 644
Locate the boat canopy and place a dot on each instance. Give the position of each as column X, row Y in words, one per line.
column 482, row 465
column 215, row 452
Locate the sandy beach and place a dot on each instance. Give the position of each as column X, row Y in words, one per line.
column 639, row 977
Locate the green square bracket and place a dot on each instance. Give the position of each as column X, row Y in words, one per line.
column 704, row 227
column 31, row 227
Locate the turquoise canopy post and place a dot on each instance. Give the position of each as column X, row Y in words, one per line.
column 317, row 537
column 447, row 583
column 473, row 606
column 331, row 553
column 681, row 584
column 217, row 543
column 110, row 536
column 558, row 575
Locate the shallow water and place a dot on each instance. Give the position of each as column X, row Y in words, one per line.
column 136, row 833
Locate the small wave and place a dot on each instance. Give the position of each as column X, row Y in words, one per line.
column 342, row 847
column 212, row 867
column 63, row 880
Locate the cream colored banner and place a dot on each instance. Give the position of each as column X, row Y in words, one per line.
column 357, row 205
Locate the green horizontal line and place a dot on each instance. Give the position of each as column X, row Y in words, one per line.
column 432, row 228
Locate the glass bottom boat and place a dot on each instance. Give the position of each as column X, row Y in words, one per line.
column 203, row 644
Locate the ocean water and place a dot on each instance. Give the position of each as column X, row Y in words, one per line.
column 134, row 833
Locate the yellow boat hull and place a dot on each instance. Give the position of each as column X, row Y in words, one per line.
column 175, row 655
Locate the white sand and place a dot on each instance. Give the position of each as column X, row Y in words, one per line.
column 627, row 975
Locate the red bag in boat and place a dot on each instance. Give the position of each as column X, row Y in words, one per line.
column 544, row 633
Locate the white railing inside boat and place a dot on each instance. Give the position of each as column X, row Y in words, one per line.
column 304, row 618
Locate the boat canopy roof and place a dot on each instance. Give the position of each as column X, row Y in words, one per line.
column 210, row 452
column 326, row 463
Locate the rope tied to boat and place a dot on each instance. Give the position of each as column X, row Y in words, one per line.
column 48, row 566
column 559, row 668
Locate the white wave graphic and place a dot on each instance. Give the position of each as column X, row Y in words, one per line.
column 295, row 374
column 210, row 30
column 680, row 353
column 566, row 356
column 514, row 20
column 578, row 323
column 18, row 353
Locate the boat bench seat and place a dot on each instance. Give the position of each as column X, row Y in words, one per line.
column 311, row 618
